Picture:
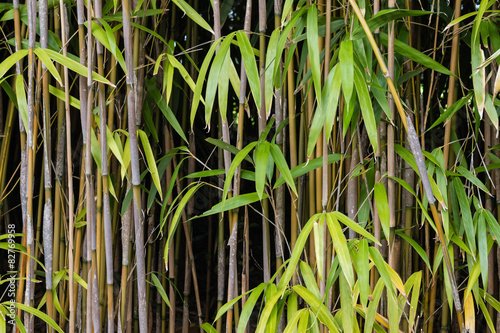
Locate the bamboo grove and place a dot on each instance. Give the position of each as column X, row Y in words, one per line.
column 239, row 165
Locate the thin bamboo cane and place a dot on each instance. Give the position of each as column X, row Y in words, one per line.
column 106, row 214
column 47, row 213
column 134, row 159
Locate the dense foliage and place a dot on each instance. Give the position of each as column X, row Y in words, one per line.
column 250, row 165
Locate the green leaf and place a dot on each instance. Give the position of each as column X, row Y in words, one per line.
column 201, row 79
column 306, row 167
column 385, row 16
column 75, row 66
column 366, row 107
column 346, row 58
column 415, row 55
column 249, row 305
column 261, row 160
column 421, row 252
column 451, row 110
column 250, row 65
column 177, row 216
column 270, row 64
column 317, row 306
column 151, row 160
column 482, row 245
column 308, row 276
column 40, row 315
column 280, row 161
column 382, row 268
column 296, row 253
column 473, row 179
column 160, row 289
column 11, row 61
column 95, row 149
column 466, row 214
column 354, row 226
column 193, row 15
column 21, row 100
column 372, row 308
column 165, row 109
column 233, row 203
column 208, row 328
column 223, row 85
column 382, row 208
column 42, row 55
column 213, row 76
column 313, row 50
column 236, row 161
column 340, row 246
column 74, row 102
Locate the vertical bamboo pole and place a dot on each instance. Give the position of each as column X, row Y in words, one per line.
column 47, row 212
column 28, row 319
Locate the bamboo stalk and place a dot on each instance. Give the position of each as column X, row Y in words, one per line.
column 134, row 158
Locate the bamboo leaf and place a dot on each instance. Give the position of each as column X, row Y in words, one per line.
column 319, row 247
column 385, row 16
column 261, row 160
column 466, row 215
column 363, row 270
column 151, row 160
column 421, row 252
column 354, row 226
column 346, row 64
column 282, row 165
column 340, row 246
column 472, row 178
column 22, row 104
column 382, row 268
column 165, row 109
column 309, row 278
column 318, row 307
column 250, row 65
column 306, row 167
column 366, row 107
column 213, row 76
column 372, row 308
column 193, row 15
column 296, row 253
column 74, row 102
column 236, row 161
column 415, row 55
column 270, row 64
column 42, row 55
column 482, row 245
column 223, row 85
column 450, row 111
column 249, row 305
column 313, row 50
column 75, row 66
column 233, row 203
column 469, row 314
column 382, row 207
column 11, row 61
column 40, row 315
column 208, row 328
column 177, row 216
column 107, row 39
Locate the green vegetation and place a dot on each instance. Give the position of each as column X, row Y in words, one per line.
column 269, row 166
